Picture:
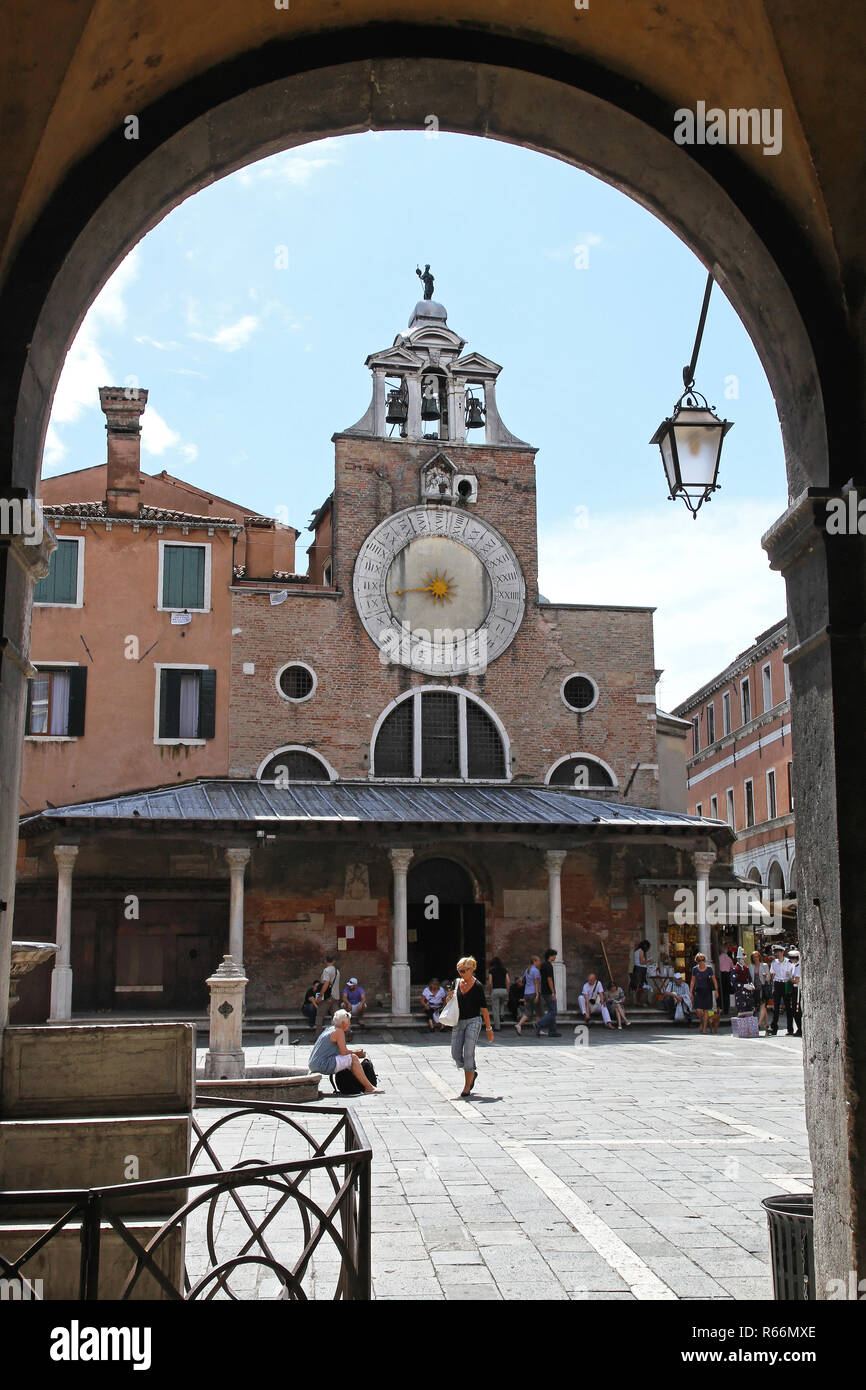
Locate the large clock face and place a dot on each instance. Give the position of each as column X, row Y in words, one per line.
column 439, row 590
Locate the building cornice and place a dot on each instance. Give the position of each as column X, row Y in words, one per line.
column 777, row 637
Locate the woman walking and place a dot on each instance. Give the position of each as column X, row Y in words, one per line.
column 759, row 972
column 473, row 1008
column 704, row 990
column 498, row 983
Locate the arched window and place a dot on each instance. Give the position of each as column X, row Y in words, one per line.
column 775, row 877
column 435, row 732
column 294, row 765
column 582, row 771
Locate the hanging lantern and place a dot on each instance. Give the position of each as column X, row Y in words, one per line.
column 690, row 442
column 691, row 439
column 474, row 413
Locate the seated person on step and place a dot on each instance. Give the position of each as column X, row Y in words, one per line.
column 308, row 1008
column 432, row 999
column 591, row 1000
column 354, row 1001
column 677, row 1000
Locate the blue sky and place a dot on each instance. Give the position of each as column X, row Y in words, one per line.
column 248, row 313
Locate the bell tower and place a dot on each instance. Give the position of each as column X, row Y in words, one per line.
column 425, row 388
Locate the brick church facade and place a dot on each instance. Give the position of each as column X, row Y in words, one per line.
column 417, row 756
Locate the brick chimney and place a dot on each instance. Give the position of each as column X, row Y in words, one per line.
column 123, row 408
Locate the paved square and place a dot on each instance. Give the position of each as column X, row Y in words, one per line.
column 629, row 1169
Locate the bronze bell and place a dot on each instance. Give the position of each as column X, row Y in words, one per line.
column 474, row 414
column 430, row 407
column 398, row 410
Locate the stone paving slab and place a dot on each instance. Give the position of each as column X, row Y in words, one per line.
column 632, row 1168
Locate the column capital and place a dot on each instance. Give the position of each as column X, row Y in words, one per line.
column 704, row 859
column 401, row 859
column 554, row 859
column 238, row 858
column 66, row 856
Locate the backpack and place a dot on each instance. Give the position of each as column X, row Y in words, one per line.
column 348, row 1085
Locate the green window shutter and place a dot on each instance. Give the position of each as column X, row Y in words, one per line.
column 77, row 699
column 207, row 705
column 60, row 584
column 183, row 576
column 169, row 704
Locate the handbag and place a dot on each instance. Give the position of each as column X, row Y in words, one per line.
column 450, row 1013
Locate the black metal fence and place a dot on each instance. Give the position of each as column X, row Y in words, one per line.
column 277, row 1223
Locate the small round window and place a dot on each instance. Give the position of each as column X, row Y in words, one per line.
column 579, row 693
column 296, row 682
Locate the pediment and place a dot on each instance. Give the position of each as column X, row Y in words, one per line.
column 474, row 362
column 395, row 358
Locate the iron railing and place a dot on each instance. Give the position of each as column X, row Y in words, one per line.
column 337, row 1221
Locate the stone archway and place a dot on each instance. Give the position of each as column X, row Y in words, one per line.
column 534, row 96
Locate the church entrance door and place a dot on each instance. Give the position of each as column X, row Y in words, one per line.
column 444, row 921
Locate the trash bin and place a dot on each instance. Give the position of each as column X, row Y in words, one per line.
column 792, row 1246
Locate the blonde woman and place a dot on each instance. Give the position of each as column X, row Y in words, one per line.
column 704, row 991
column 473, row 1008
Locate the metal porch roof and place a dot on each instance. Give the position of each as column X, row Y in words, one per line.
column 229, row 800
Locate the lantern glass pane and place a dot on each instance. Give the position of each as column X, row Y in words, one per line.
column 698, row 437
column 666, row 446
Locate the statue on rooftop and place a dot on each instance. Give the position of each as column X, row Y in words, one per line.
column 427, row 279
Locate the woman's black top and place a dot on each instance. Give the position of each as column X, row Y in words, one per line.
column 497, row 976
column 472, row 1002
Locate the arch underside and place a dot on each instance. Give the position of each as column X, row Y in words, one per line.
column 470, row 97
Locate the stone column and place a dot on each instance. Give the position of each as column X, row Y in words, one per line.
column 400, row 1003
column 224, row 1060
column 379, row 402
column 61, row 976
column 237, row 861
column 554, row 859
column 703, row 860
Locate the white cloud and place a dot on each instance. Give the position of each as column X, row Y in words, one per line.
column 87, row 366
column 292, row 166
column 233, row 335
column 708, row 579
column 156, row 435
column 153, row 342
column 190, row 452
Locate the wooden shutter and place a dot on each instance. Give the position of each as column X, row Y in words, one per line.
column 169, row 704
column 30, row 707
column 193, row 576
column 172, row 576
column 60, row 584
column 183, row 576
column 77, row 699
column 207, row 705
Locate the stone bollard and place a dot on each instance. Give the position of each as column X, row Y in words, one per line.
column 225, row 1054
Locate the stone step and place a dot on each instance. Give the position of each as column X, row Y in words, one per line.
column 56, row 1155
column 294, row 1021
column 102, row 1069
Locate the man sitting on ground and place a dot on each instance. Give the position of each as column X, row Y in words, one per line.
column 354, row 1001
column 591, row 1001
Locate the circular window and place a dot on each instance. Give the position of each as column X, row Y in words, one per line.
column 296, row 681
column 579, row 693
